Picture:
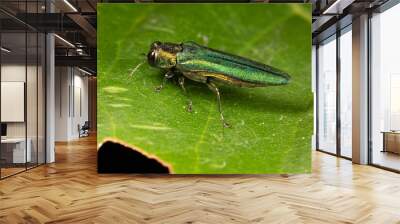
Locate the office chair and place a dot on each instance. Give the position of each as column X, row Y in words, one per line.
column 84, row 130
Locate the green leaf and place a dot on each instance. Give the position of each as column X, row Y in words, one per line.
column 272, row 126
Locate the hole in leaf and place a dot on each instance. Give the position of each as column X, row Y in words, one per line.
column 113, row 157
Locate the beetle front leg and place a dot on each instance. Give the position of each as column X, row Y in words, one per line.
column 167, row 76
column 181, row 81
column 215, row 89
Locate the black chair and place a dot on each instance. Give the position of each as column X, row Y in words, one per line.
column 84, row 130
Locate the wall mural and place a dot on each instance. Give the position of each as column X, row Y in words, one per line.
column 204, row 88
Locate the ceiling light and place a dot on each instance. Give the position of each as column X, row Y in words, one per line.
column 84, row 71
column 70, row 5
column 334, row 5
column 337, row 7
column 5, row 50
column 80, row 51
column 65, row 41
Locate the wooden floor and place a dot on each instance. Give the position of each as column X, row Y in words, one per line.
column 5, row 172
column 70, row 191
column 387, row 159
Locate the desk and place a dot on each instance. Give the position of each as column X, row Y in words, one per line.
column 391, row 141
column 17, row 150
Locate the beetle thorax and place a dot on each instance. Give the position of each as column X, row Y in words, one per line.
column 165, row 59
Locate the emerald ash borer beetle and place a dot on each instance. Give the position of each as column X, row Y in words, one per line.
column 211, row 67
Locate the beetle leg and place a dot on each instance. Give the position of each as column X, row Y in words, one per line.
column 167, row 76
column 181, row 81
column 215, row 89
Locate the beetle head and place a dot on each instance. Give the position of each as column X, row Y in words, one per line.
column 163, row 55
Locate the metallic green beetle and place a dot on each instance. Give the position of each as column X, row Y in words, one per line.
column 212, row 67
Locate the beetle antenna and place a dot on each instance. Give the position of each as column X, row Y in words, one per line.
column 136, row 68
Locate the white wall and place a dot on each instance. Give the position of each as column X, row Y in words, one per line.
column 62, row 81
column 81, row 103
column 71, row 102
column 13, row 101
column 16, row 73
column 13, row 72
column 33, row 126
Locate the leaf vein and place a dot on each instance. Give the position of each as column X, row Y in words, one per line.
column 201, row 139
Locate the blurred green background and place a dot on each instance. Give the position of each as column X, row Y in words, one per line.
column 272, row 127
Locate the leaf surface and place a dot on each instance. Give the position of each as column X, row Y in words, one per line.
column 271, row 127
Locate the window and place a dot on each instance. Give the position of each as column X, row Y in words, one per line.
column 327, row 95
column 385, row 89
column 346, row 92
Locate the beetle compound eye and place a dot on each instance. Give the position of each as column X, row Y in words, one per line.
column 151, row 57
column 155, row 45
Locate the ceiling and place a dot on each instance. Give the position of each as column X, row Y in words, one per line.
column 75, row 22
column 331, row 15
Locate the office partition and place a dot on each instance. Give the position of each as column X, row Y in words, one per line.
column 22, row 78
